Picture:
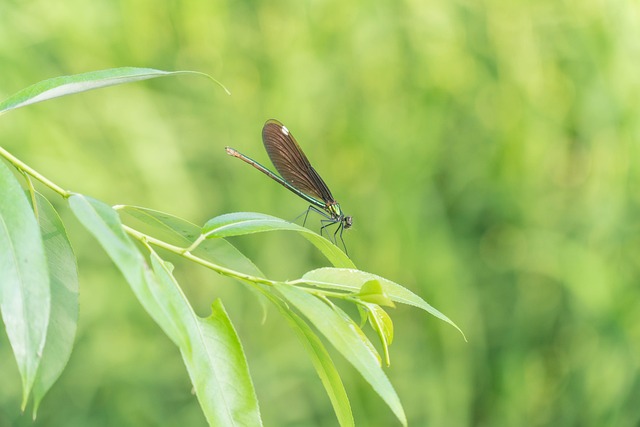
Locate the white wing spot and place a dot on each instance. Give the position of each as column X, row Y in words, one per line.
column 285, row 130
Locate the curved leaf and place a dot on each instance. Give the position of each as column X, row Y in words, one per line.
column 103, row 222
column 372, row 292
column 382, row 324
column 68, row 85
column 241, row 223
column 212, row 353
column 167, row 227
column 25, row 298
column 63, row 275
column 347, row 279
column 183, row 233
column 220, row 380
column 348, row 340
column 322, row 362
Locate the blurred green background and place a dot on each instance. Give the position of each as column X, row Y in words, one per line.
column 488, row 152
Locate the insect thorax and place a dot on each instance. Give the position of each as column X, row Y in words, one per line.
column 334, row 210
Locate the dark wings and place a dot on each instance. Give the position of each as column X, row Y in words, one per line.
column 290, row 161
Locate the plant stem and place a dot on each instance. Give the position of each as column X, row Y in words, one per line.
column 347, row 296
column 32, row 193
column 184, row 252
column 27, row 169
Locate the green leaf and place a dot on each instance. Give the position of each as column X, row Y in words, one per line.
column 372, row 292
column 212, row 353
column 364, row 315
column 170, row 228
column 25, row 298
column 321, row 360
column 183, row 233
column 68, row 85
column 382, row 324
column 347, row 279
column 348, row 339
column 241, row 223
column 63, row 276
column 103, row 222
column 213, row 357
column 385, row 322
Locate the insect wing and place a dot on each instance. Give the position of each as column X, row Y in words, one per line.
column 291, row 162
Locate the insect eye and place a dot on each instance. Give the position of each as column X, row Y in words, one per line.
column 348, row 221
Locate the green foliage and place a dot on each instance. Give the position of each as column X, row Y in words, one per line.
column 348, row 339
column 239, row 223
column 67, row 85
column 63, row 281
column 40, row 304
column 25, row 295
column 487, row 152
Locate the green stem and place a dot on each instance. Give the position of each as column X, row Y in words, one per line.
column 322, row 292
column 195, row 244
column 27, row 169
column 184, row 252
column 32, row 193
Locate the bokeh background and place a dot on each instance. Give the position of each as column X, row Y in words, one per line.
column 488, row 152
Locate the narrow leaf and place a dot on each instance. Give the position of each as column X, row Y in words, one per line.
column 321, row 360
column 167, row 227
column 364, row 315
column 345, row 338
column 372, row 292
column 213, row 355
column 25, row 299
column 63, row 276
column 385, row 322
column 68, row 85
column 347, row 279
column 183, row 233
column 223, row 402
column 382, row 324
column 241, row 223
column 103, row 222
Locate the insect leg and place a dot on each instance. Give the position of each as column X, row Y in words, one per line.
column 305, row 213
column 328, row 222
column 341, row 229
